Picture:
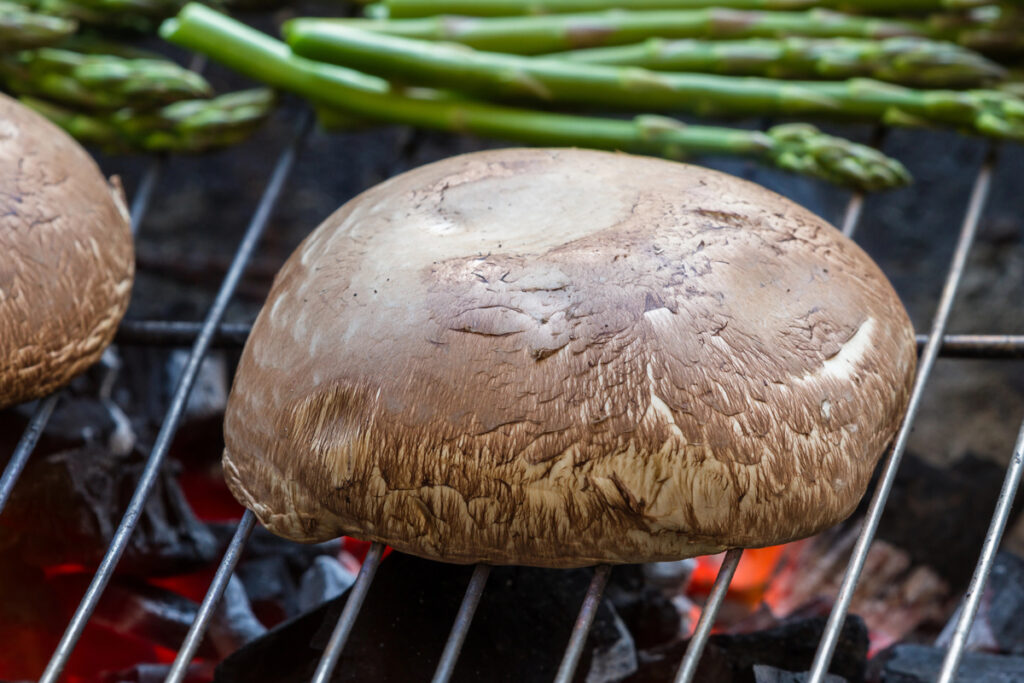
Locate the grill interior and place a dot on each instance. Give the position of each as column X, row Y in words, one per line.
column 341, row 165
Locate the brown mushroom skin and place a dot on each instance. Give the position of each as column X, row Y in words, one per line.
column 558, row 357
column 66, row 256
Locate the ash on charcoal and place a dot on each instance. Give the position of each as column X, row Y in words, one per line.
column 998, row 626
column 519, row 632
column 67, row 506
column 271, row 570
column 730, row 658
column 234, row 624
column 769, row 674
column 209, row 394
column 921, row 664
column 324, row 581
column 616, row 660
column 670, row 576
column 941, row 513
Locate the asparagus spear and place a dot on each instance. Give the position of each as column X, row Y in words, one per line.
column 992, row 29
column 988, row 112
column 98, row 81
column 185, row 126
column 354, row 95
column 21, row 28
column 498, row 8
column 907, row 61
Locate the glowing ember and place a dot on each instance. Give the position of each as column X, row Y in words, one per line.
column 753, row 575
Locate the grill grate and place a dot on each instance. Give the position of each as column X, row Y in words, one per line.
column 212, row 333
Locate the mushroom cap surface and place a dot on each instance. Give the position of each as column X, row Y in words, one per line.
column 66, row 257
column 559, row 357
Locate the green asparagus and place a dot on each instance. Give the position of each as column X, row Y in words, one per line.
column 21, row 28
column 907, row 61
column 98, row 81
column 988, row 112
column 354, row 95
column 498, row 8
column 992, row 29
column 185, row 126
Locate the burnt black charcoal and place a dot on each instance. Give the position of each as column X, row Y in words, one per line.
column 943, row 513
column 998, row 626
column 67, row 506
column 150, row 673
column 650, row 617
column 921, row 664
column 730, row 658
column 519, row 632
column 769, row 674
column 76, row 421
column 154, row 614
column 272, row 587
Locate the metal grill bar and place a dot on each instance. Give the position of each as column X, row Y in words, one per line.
column 233, row 335
column 584, row 620
column 988, row 552
column 44, row 409
column 347, row 620
column 28, row 441
column 182, row 333
column 152, row 469
column 691, row 659
column 212, row 598
column 979, row 194
column 688, row 667
column 462, row 621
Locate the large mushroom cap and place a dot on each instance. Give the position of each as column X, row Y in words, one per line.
column 66, row 258
column 565, row 357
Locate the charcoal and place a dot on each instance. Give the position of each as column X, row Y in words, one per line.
column 324, row 581
column 921, row 664
column 998, row 626
column 769, row 674
column 234, row 624
column 730, row 658
column 944, row 512
column 271, row 586
column 153, row 673
column 271, row 569
column 649, row 615
column 519, row 632
column 669, row 575
column 616, row 660
column 209, row 393
column 76, row 421
column 68, row 504
column 262, row 543
column 151, row 613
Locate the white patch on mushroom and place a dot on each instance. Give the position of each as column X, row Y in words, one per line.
column 659, row 408
column 842, row 365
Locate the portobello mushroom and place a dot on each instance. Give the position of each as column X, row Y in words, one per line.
column 66, row 257
column 560, row 357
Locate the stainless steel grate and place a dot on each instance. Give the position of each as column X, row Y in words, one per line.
column 212, row 332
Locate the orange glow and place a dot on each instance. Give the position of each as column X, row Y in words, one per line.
column 755, row 571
